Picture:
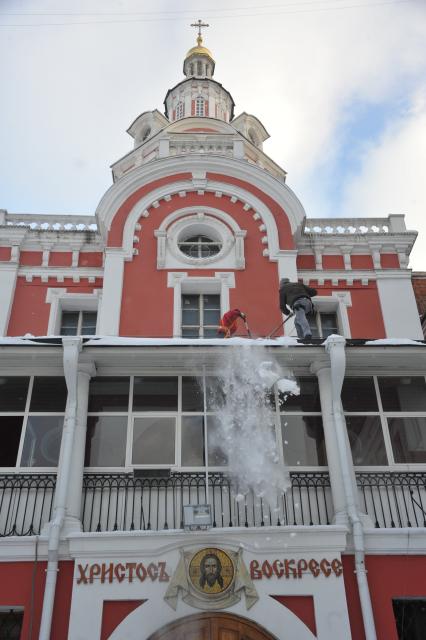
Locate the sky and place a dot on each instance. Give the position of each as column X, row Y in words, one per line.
column 340, row 85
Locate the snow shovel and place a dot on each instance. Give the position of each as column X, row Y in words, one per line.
column 280, row 325
column 247, row 328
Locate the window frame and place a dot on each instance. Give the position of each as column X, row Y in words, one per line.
column 179, row 414
column 26, row 413
column 80, row 312
column 60, row 301
column 383, row 416
column 180, row 110
column 200, row 106
column 201, row 326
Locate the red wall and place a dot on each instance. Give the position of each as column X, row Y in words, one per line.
column 365, row 314
column 30, row 312
column 388, row 577
column 16, row 582
column 147, row 304
column 5, row 253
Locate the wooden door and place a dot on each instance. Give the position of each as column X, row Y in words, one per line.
column 212, row 626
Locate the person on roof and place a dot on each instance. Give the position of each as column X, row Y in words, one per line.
column 296, row 297
column 228, row 324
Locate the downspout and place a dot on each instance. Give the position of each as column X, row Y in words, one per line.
column 335, row 347
column 72, row 348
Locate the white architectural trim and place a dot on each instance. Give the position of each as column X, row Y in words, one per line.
column 8, row 274
column 211, row 222
column 60, row 300
column 240, row 169
column 110, row 309
column 399, row 308
column 181, row 283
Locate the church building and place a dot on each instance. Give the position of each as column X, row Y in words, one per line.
column 129, row 476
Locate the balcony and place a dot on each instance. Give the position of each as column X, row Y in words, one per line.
column 121, row 502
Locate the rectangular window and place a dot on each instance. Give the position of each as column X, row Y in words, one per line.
column 410, row 617
column 154, row 440
column 11, row 624
column 323, row 324
column 31, row 419
column 78, row 323
column 200, row 315
column 106, row 441
column 386, row 419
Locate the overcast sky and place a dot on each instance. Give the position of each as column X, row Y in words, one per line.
column 340, row 85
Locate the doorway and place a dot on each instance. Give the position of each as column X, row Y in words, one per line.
column 212, row 626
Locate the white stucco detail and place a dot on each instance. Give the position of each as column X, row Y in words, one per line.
column 8, row 274
column 399, row 309
column 209, row 222
column 110, row 308
column 181, row 283
column 60, row 300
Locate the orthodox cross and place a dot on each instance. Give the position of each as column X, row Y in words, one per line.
column 200, row 24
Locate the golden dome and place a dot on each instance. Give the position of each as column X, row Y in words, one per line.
column 199, row 50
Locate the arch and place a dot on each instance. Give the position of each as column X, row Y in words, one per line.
column 208, row 626
column 121, row 206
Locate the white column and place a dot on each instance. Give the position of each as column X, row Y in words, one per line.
column 287, row 269
column 110, row 309
column 398, row 303
column 323, row 372
column 74, row 497
column 8, row 274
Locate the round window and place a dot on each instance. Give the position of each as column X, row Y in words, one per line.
column 199, row 246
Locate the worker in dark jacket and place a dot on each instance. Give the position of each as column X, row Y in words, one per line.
column 296, row 297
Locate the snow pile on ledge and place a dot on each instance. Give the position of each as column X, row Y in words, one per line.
column 383, row 342
column 15, row 341
column 196, row 342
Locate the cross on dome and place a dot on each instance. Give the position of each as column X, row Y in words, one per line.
column 200, row 25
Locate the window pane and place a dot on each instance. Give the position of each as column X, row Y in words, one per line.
column 313, row 323
column 192, row 441
column 192, row 332
column 190, row 317
column 408, row 436
column 69, row 323
column 328, row 324
column 49, row 394
column 155, row 394
column 106, row 441
column 303, row 440
column 10, row 430
column 11, row 624
column 13, row 393
column 88, row 325
column 403, row 393
column 211, row 302
column 154, row 441
column 109, row 394
column 190, row 302
column 358, row 394
column 42, row 441
column 192, row 394
column 410, row 616
column 308, row 400
column 217, row 456
column 212, row 317
column 366, row 440
column 212, row 333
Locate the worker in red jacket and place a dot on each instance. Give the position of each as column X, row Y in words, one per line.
column 228, row 324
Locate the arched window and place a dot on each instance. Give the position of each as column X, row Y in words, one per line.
column 180, row 110
column 191, row 69
column 199, row 106
column 199, row 68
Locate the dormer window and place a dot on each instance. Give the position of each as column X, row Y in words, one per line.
column 200, row 246
column 200, row 106
column 180, row 110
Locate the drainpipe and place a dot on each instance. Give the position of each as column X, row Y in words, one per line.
column 72, row 348
column 335, row 347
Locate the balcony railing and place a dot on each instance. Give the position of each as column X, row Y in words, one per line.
column 121, row 502
column 393, row 499
column 26, row 502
